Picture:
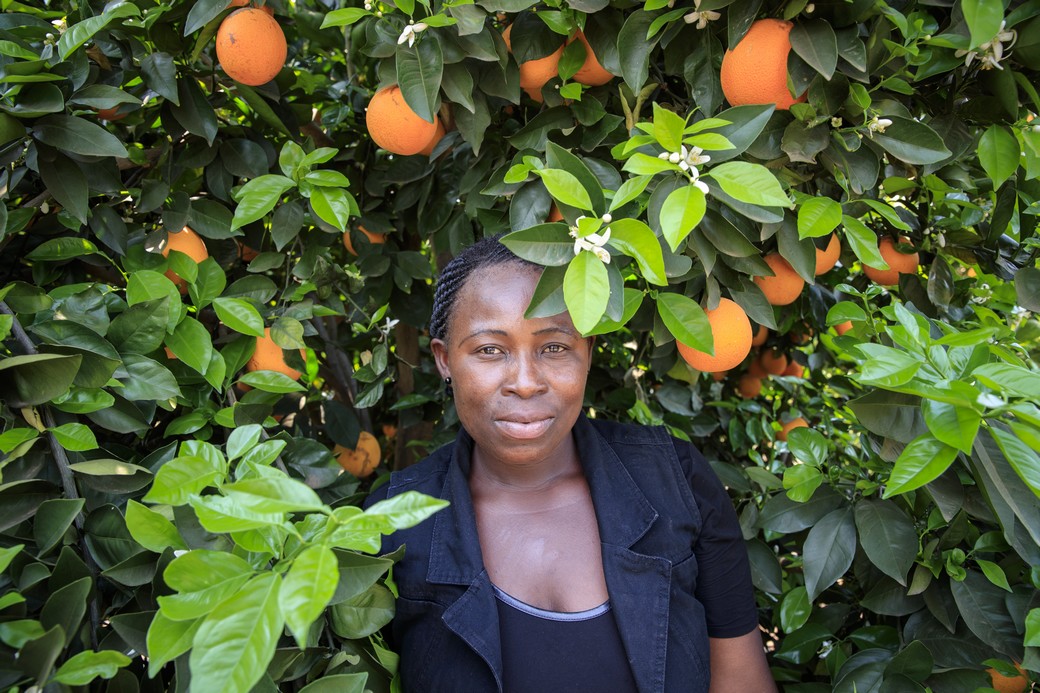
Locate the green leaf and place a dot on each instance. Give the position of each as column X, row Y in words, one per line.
column 258, row 197
column 8, row 554
column 235, row 643
column 81, row 32
column 565, row 188
column 953, row 425
column 276, row 494
column 795, row 609
column 544, row 244
column 994, row 573
column 637, row 240
column 668, row 128
column 887, row 536
column 642, row 164
column 801, row 481
column 750, row 183
column 220, row 514
column 629, row 190
column 682, row 210
column 419, row 72
column 78, row 136
column 140, row 329
column 864, row 243
column 308, row 587
column 13, row 437
column 586, row 290
column 363, row 615
column 181, row 477
column 885, row 366
column 686, row 320
column 60, row 249
column 84, row 667
column 1033, row 628
column 334, row 206
column 809, row 446
column 912, row 141
column 922, row 461
column 818, row 216
column 1010, row 379
column 271, row 381
column 983, row 18
column 340, row 683
column 815, row 43
column 75, row 437
column 344, row 17
column 240, row 315
column 168, row 639
column 406, row 509
column 151, row 529
column 828, row 551
column 203, row 579
column 17, row 633
column 1023, row 460
column 998, row 153
column 30, row 380
column 192, row 344
column 242, row 439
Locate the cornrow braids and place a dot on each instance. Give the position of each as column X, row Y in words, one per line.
column 487, row 252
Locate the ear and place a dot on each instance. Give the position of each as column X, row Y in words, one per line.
column 440, row 357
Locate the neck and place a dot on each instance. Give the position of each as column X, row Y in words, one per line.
column 490, row 472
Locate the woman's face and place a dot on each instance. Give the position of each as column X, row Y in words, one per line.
column 519, row 384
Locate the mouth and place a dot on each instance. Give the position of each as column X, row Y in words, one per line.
column 524, row 428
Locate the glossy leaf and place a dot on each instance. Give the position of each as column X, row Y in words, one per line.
column 829, row 549
column 307, row 589
column 924, row 459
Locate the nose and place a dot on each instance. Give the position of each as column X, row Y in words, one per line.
column 526, row 378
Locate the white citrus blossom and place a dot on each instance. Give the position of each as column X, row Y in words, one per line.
column 991, row 52
column 410, row 33
column 593, row 243
column 878, row 124
column 701, row 17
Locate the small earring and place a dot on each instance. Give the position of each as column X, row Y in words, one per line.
column 448, row 389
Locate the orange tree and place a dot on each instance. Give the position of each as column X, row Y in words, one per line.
column 210, row 285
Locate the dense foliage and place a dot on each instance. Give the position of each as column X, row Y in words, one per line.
column 172, row 514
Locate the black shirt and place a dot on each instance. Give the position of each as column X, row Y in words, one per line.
column 561, row 652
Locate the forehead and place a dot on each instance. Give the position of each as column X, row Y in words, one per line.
column 496, row 297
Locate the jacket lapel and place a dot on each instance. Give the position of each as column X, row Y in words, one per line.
column 455, row 559
column 639, row 585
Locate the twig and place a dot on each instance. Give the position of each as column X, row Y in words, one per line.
column 342, row 369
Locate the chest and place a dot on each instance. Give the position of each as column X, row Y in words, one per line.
column 548, row 557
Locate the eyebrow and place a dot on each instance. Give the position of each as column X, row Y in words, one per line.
column 502, row 333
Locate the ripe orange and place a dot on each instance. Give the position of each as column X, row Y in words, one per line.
column 784, row 286
column 189, row 243
column 773, row 361
column 438, row 135
column 794, row 368
column 374, row 238
column 731, row 330
column 591, row 72
column 394, row 126
column 1009, row 684
column 554, row 213
column 843, row 327
column 719, row 376
column 251, row 46
column 755, row 70
column 794, row 423
column 749, row 386
column 898, row 262
column 827, row 258
column 755, row 368
column 268, row 357
column 111, row 114
column 761, row 335
column 362, row 460
column 535, row 73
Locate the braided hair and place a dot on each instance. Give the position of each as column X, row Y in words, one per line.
column 487, row 252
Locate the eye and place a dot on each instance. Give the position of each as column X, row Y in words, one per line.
column 556, row 348
column 489, row 351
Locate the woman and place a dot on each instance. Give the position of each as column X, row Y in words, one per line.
column 576, row 555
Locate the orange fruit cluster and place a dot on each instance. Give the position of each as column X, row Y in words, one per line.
column 395, row 127
column 755, row 70
column 268, row 356
column 251, row 46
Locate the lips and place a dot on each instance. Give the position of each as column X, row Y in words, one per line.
column 525, row 427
